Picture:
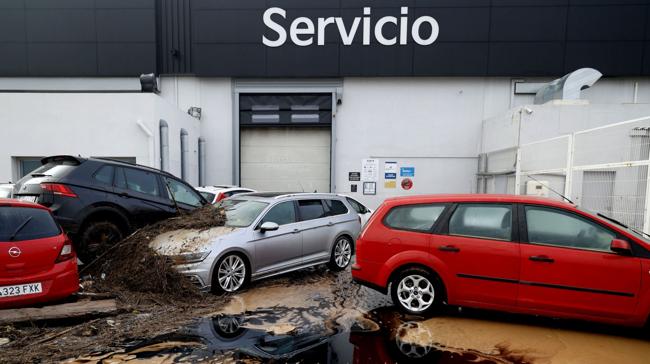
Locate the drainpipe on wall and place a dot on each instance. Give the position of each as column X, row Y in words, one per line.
column 149, row 135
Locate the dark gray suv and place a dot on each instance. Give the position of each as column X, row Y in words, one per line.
column 99, row 201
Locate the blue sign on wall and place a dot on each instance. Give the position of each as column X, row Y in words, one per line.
column 407, row 172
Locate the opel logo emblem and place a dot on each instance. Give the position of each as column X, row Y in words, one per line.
column 14, row 252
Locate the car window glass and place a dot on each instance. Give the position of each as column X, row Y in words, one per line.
column 241, row 213
column 104, row 175
column 208, row 196
column 488, row 221
column 182, row 193
column 356, row 206
column 413, row 217
column 554, row 227
column 36, row 223
column 335, row 207
column 311, row 209
column 281, row 214
column 141, row 181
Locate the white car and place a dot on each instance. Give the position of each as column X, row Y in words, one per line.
column 217, row 193
column 6, row 189
column 363, row 211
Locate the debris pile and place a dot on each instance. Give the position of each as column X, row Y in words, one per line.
column 131, row 266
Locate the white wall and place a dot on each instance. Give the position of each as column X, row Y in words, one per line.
column 87, row 124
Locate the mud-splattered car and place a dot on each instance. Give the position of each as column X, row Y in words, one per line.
column 265, row 234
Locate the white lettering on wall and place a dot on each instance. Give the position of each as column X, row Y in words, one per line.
column 302, row 31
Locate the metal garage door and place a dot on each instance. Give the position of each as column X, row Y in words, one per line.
column 291, row 159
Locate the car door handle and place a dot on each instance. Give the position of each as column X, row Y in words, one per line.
column 449, row 248
column 541, row 258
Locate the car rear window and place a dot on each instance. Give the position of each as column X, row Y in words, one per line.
column 52, row 169
column 413, row 217
column 26, row 223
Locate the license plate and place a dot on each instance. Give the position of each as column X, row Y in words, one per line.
column 21, row 290
column 28, row 198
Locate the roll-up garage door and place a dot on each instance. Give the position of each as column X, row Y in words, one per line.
column 285, row 142
column 285, row 159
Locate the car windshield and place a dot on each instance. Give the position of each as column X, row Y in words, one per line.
column 241, row 213
column 621, row 225
column 208, row 196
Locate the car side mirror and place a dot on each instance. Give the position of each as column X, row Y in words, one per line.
column 621, row 246
column 269, row 226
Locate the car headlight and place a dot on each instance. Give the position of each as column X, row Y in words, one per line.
column 189, row 257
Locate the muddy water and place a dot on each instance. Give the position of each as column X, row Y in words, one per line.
column 322, row 317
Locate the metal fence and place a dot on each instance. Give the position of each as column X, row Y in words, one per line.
column 603, row 169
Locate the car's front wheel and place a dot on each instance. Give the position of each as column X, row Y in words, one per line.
column 341, row 254
column 231, row 274
column 416, row 291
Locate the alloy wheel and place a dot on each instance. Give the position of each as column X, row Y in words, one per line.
column 415, row 293
column 232, row 273
column 342, row 252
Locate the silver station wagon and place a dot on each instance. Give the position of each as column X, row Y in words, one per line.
column 265, row 234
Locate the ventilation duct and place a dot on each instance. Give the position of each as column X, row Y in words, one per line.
column 568, row 87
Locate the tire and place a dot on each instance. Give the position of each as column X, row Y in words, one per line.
column 341, row 254
column 96, row 238
column 426, row 299
column 239, row 275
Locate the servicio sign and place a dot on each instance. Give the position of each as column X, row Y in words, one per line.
column 302, row 31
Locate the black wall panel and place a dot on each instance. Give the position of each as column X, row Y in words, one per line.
column 224, row 38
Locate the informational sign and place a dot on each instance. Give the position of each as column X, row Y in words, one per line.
column 390, row 184
column 407, row 184
column 354, row 176
column 407, row 172
column 369, row 188
column 390, row 170
column 370, row 170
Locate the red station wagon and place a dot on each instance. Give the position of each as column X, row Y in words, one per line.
column 512, row 253
column 37, row 261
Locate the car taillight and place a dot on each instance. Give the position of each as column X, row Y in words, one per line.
column 66, row 253
column 58, row 189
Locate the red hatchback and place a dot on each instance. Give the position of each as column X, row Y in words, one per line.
column 37, row 261
column 511, row 253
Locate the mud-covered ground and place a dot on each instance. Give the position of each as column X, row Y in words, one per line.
column 316, row 316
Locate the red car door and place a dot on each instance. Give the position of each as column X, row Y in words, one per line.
column 568, row 268
column 479, row 245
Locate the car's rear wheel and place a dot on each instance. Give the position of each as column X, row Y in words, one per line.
column 231, row 274
column 96, row 238
column 341, row 254
column 416, row 291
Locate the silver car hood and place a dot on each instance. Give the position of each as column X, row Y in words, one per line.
column 186, row 241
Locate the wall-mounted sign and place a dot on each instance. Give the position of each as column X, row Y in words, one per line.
column 390, row 184
column 354, row 176
column 304, row 31
column 390, row 170
column 407, row 184
column 370, row 170
column 369, row 188
column 407, row 172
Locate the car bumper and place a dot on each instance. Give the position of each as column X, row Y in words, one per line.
column 59, row 282
column 364, row 275
column 198, row 273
